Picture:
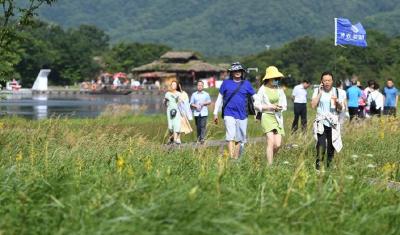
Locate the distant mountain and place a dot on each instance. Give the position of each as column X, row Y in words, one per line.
column 222, row 27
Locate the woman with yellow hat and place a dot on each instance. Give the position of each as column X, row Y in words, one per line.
column 271, row 102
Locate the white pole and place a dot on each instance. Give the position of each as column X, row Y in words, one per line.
column 335, row 31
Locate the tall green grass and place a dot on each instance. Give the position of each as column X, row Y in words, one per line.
column 111, row 175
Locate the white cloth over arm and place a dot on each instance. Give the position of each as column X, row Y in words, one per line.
column 218, row 104
column 318, row 128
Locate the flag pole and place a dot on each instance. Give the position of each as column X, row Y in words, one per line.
column 335, row 31
column 335, row 36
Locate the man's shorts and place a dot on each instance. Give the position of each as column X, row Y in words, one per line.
column 235, row 129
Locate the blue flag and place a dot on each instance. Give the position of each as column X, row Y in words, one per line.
column 348, row 34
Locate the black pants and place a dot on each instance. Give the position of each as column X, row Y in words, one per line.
column 353, row 112
column 201, row 123
column 325, row 146
column 389, row 110
column 300, row 110
column 361, row 111
column 375, row 112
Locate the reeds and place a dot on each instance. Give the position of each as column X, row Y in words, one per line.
column 112, row 175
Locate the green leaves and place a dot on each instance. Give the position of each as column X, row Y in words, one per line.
column 125, row 56
column 9, row 56
column 73, row 55
column 13, row 17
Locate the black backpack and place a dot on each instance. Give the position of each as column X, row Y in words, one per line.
column 372, row 106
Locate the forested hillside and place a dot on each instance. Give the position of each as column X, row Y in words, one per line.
column 307, row 58
column 220, row 27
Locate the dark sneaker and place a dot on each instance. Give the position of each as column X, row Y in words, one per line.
column 317, row 164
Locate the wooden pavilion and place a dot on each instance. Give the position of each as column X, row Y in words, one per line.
column 184, row 66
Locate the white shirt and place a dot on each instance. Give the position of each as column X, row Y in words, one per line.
column 324, row 105
column 299, row 94
column 200, row 98
column 116, row 82
column 368, row 90
column 378, row 97
column 342, row 97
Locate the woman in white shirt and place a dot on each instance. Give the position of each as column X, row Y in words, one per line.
column 375, row 101
column 271, row 102
column 326, row 127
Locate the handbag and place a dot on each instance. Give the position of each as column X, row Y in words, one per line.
column 172, row 113
column 250, row 106
column 259, row 116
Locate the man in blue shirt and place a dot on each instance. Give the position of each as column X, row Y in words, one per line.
column 391, row 98
column 199, row 102
column 234, row 93
column 353, row 95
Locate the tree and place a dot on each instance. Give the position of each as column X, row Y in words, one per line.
column 92, row 38
column 125, row 56
column 13, row 17
column 68, row 53
column 342, row 68
column 38, row 42
column 76, row 54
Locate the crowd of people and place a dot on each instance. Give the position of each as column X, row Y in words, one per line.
column 364, row 103
column 236, row 97
column 119, row 81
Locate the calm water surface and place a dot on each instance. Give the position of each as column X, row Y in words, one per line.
column 80, row 105
column 77, row 106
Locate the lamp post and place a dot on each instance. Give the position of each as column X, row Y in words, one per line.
column 252, row 69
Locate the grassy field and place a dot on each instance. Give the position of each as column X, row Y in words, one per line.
column 111, row 175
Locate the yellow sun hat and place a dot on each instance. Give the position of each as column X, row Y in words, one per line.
column 272, row 72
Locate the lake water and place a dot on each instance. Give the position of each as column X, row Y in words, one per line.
column 81, row 106
column 77, row 106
